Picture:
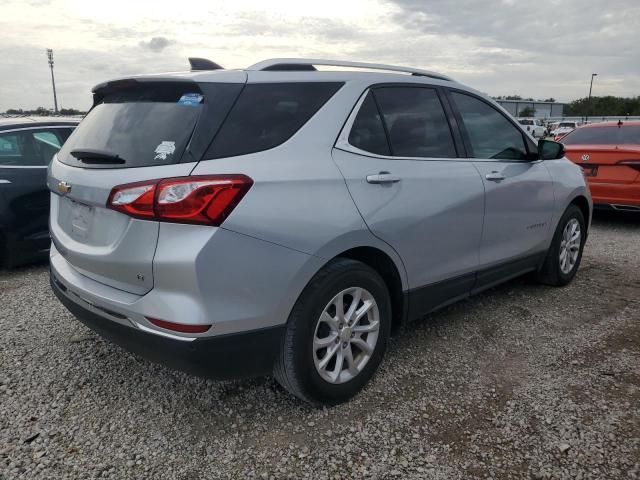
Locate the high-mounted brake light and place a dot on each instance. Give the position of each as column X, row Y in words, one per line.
column 203, row 200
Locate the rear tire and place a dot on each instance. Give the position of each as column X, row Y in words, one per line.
column 317, row 333
column 565, row 253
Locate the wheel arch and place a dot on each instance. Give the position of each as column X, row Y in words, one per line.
column 583, row 204
column 382, row 263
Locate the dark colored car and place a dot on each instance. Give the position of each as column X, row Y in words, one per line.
column 27, row 145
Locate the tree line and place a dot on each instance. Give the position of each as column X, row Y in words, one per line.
column 44, row 112
column 604, row 106
column 599, row 106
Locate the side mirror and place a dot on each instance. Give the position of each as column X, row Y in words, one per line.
column 549, row 150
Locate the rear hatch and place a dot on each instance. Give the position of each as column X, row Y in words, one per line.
column 607, row 164
column 138, row 130
column 607, row 153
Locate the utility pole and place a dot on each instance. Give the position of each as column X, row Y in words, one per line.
column 589, row 101
column 53, row 81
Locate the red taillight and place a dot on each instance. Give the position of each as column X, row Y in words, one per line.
column 179, row 327
column 205, row 200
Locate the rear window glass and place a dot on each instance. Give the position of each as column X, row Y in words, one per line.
column 268, row 114
column 367, row 132
column 416, row 122
column 144, row 125
column 613, row 135
column 526, row 122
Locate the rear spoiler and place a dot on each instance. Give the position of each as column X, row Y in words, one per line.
column 103, row 89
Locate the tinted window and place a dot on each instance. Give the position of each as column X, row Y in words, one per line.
column 490, row 133
column 150, row 124
column 367, row 132
column 612, row 135
column 268, row 114
column 31, row 148
column 416, row 122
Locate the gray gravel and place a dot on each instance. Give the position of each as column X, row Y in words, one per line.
column 524, row 381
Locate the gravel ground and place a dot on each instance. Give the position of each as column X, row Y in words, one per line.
column 523, row 381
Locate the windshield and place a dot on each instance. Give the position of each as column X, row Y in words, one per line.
column 629, row 135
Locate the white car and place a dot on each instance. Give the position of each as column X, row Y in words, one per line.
column 533, row 126
column 564, row 128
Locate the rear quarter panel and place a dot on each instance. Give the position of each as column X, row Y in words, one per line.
column 299, row 198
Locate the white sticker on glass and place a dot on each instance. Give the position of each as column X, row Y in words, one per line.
column 164, row 149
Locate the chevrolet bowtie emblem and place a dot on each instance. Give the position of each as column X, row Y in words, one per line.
column 64, row 187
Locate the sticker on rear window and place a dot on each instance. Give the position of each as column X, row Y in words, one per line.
column 192, row 99
column 164, row 149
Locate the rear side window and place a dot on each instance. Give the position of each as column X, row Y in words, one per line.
column 612, row 135
column 268, row 114
column 31, row 148
column 416, row 122
column 367, row 132
column 490, row 133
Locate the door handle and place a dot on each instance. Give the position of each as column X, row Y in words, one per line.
column 382, row 177
column 494, row 176
column 5, row 181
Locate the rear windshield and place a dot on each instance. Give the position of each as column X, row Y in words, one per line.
column 629, row 135
column 526, row 122
column 567, row 124
column 142, row 126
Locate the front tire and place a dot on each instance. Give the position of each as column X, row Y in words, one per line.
column 565, row 253
column 336, row 334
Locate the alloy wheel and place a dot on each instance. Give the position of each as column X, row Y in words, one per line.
column 346, row 335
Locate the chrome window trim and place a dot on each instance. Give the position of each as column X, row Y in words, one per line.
column 41, row 127
column 342, row 143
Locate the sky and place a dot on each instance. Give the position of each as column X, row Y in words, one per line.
column 533, row 48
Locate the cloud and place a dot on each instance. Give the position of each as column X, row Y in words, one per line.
column 156, row 44
column 542, row 48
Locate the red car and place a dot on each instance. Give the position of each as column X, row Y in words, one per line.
column 609, row 154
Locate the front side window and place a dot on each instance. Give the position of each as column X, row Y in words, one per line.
column 490, row 133
column 416, row 122
column 31, row 148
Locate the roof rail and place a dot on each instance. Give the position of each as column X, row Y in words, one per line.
column 304, row 64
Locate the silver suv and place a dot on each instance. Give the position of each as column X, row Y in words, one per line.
column 285, row 220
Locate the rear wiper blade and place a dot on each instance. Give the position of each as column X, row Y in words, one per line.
column 91, row 155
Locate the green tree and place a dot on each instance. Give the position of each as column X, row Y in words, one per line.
column 604, row 106
column 527, row 112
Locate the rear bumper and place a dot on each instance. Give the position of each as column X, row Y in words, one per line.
column 616, row 195
column 246, row 354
